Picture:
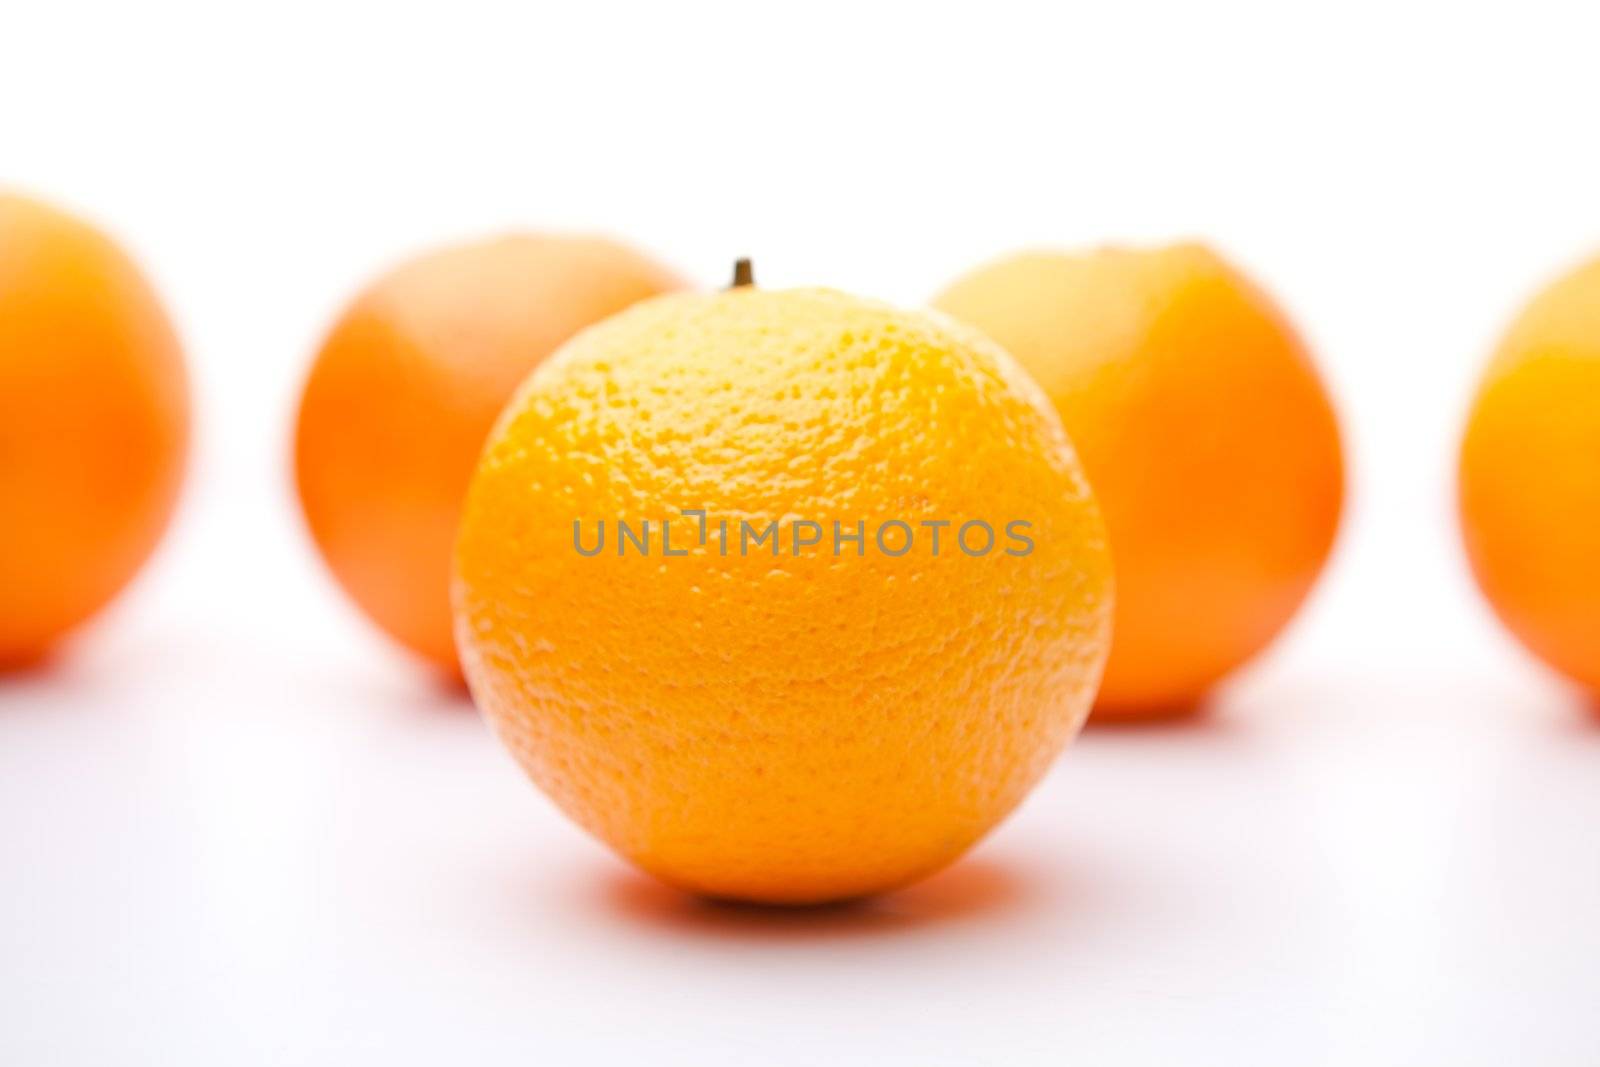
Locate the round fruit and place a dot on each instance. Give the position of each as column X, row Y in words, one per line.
column 404, row 391
column 1530, row 478
column 1208, row 438
column 762, row 706
column 94, row 424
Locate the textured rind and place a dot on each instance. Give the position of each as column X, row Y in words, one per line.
column 1208, row 437
column 1529, row 487
column 786, row 729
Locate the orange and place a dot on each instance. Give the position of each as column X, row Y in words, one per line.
column 1530, row 478
column 94, row 423
column 404, row 391
column 810, row 717
column 1207, row 435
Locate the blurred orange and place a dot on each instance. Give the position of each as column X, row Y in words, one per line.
column 1206, row 434
column 1530, row 478
column 94, row 424
column 404, row 391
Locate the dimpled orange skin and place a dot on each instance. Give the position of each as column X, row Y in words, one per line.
column 94, row 424
column 1209, row 439
column 1529, row 482
column 404, row 391
column 800, row 728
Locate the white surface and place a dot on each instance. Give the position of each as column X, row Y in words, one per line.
column 237, row 828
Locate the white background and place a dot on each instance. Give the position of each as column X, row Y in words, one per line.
column 237, row 827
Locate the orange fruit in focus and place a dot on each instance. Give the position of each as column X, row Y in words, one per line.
column 1530, row 478
column 404, row 391
column 774, row 724
column 94, row 423
column 1207, row 435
